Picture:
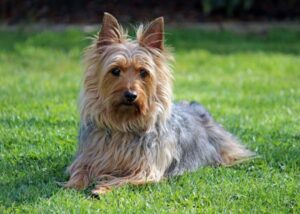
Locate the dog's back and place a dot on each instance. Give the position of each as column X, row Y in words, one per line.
column 200, row 140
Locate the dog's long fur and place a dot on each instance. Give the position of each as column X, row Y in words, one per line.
column 152, row 138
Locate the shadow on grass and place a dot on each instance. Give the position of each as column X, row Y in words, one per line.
column 36, row 179
column 30, row 171
column 222, row 42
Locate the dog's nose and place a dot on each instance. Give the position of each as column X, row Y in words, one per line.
column 130, row 96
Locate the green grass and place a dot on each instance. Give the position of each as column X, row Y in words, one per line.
column 250, row 83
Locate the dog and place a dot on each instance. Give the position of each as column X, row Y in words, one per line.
column 130, row 131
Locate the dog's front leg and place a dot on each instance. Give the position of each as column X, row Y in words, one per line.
column 79, row 178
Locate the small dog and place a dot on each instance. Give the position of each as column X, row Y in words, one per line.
column 130, row 130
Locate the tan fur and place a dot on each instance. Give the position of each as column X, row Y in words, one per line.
column 118, row 164
column 94, row 100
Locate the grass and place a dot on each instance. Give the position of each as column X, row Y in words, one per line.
column 250, row 83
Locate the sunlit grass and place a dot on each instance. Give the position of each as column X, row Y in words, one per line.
column 250, row 83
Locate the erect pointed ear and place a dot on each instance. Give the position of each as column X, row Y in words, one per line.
column 111, row 31
column 153, row 35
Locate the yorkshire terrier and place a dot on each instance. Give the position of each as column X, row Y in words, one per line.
column 130, row 131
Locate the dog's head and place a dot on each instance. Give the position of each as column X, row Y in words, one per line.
column 127, row 83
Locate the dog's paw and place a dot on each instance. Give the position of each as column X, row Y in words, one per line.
column 78, row 182
column 101, row 190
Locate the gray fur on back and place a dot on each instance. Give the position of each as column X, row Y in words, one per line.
column 188, row 122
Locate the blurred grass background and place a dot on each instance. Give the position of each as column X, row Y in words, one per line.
column 249, row 82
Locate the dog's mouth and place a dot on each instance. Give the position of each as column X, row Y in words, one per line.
column 129, row 107
column 127, row 104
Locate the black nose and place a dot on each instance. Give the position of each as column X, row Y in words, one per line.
column 130, row 96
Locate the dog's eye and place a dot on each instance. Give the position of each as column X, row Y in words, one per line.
column 143, row 73
column 116, row 71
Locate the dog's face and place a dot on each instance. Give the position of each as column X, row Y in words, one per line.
column 133, row 77
column 128, row 81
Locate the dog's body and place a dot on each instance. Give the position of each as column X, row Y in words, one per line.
column 130, row 130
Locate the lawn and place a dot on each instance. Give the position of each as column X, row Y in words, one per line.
column 249, row 82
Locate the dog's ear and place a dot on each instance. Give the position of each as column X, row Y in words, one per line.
column 153, row 35
column 110, row 32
